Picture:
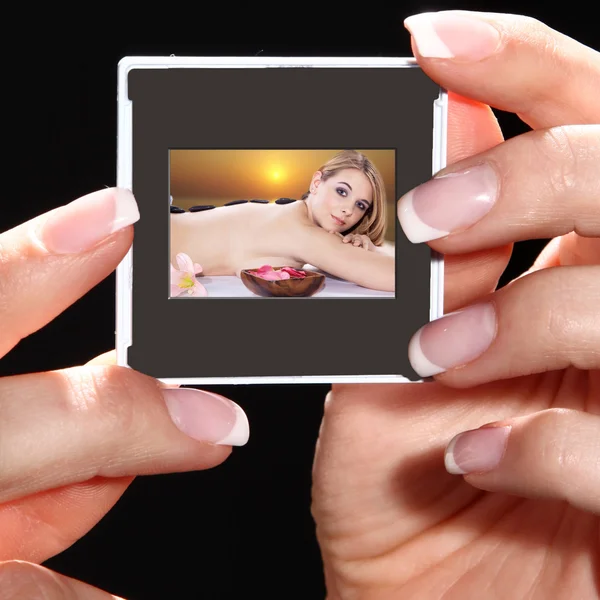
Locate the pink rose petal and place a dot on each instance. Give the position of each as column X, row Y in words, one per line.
column 270, row 276
column 267, row 272
column 294, row 272
column 264, row 269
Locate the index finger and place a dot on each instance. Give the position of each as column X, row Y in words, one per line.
column 60, row 255
column 511, row 62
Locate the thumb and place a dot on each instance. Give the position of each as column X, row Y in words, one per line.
column 553, row 453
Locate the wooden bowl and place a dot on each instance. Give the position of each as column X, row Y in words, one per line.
column 283, row 288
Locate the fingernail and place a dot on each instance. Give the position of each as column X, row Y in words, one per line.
column 207, row 417
column 450, row 34
column 452, row 340
column 476, row 451
column 83, row 223
column 447, row 203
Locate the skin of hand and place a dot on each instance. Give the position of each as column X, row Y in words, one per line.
column 485, row 482
column 360, row 241
column 95, row 427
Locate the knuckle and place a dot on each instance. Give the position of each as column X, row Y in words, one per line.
column 559, row 326
column 523, row 26
column 571, row 154
column 549, row 436
column 7, row 279
column 109, row 395
column 561, row 337
column 560, row 149
column 524, row 30
column 20, row 579
column 569, row 321
column 533, row 24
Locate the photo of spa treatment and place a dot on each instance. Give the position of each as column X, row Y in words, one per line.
column 282, row 223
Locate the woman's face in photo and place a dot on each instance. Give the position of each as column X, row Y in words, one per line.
column 341, row 201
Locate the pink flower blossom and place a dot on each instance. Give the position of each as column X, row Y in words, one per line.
column 183, row 280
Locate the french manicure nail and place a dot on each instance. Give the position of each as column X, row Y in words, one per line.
column 476, row 451
column 452, row 340
column 447, row 203
column 207, row 417
column 453, row 34
column 83, row 223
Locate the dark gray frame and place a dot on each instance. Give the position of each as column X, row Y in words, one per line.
column 251, row 108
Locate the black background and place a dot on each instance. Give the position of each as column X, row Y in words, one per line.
column 244, row 528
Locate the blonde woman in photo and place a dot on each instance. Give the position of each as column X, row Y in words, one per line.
column 346, row 198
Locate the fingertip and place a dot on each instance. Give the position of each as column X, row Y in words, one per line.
column 449, row 461
column 426, row 41
column 477, row 451
column 414, row 228
column 207, row 417
column 240, row 433
column 86, row 222
column 419, row 362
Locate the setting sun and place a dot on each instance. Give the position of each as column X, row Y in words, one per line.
column 276, row 174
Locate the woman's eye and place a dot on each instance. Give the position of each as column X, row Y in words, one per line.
column 361, row 205
column 342, row 192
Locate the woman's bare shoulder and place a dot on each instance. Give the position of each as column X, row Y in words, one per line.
column 293, row 212
column 291, row 219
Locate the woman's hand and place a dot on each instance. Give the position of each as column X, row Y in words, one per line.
column 360, row 241
column 72, row 440
column 518, row 513
column 356, row 240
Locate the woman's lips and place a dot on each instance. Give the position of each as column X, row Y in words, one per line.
column 338, row 221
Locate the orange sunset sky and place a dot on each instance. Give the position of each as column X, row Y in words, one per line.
column 220, row 176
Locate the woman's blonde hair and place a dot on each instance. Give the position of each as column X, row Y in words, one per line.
column 373, row 223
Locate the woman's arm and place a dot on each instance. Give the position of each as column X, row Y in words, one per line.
column 387, row 248
column 328, row 252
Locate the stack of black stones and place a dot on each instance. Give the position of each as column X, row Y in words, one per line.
column 201, row 207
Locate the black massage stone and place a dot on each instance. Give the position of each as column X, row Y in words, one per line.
column 284, row 201
column 234, row 202
column 260, row 201
column 176, row 209
column 201, row 207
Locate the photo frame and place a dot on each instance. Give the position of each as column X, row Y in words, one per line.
column 216, row 151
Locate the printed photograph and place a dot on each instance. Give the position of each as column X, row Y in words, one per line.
column 282, row 223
